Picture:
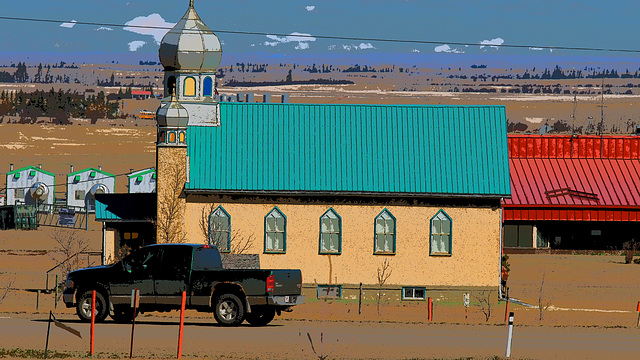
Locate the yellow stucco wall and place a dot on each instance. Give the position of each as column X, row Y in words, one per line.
column 475, row 241
column 110, row 244
column 171, row 175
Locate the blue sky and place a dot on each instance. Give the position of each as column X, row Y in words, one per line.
column 585, row 23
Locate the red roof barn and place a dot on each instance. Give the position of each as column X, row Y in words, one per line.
column 580, row 192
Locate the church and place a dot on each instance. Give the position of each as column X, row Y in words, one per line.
column 346, row 193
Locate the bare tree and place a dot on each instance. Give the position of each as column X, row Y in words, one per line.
column 5, row 290
column 69, row 245
column 543, row 302
column 171, row 208
column 484, row 302
column 631, row 248
column 384, row 272
column 236, row 244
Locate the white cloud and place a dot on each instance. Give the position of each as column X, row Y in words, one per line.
column 362, row 46
column 301, row 38
column 494, row 43
column 135, row 45
column 310, row 7
column 157, row 27
column 104, row 28
column 331, row 47
column 68, row 25
column 447, row 49
column 535, row 49
column 415, row 50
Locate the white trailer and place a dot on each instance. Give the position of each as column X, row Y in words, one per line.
column 83, row 185
column 31, row 186
column 142, row 181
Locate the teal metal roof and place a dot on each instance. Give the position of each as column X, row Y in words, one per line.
column 139, row 207
column 379, row 149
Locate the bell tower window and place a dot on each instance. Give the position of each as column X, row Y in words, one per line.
column 189, row 86
column 207, row 86
column 171, row 85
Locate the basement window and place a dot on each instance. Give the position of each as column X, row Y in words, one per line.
column 329, row 291
column 414, row 293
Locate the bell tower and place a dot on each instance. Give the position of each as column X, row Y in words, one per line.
column 190, row 54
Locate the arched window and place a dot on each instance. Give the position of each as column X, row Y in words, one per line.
column 171, row 85
column 330, row 233
column 189, row 86
column 220, row 229
column 163, row 136
column 172, row 136
column 207, row 86
column 385, row 239
column 182, row 137
column 440, row 234
column 275, row 232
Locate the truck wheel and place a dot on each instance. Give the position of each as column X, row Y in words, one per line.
column 123, row 314
column 228, row 310
column 260, row 317
column 83, row 308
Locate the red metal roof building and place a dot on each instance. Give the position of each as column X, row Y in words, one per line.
column 572, row 192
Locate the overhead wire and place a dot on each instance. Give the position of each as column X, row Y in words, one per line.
column 331, row 37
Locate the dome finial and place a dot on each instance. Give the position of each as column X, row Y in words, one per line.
column 190, row 3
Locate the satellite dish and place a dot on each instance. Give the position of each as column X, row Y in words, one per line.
column 99, row 189
column 39, row 191
column 544, row 129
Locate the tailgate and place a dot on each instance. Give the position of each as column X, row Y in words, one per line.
column 287, row 282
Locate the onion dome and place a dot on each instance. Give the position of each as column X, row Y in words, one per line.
column 190, row 45
column 172, row 114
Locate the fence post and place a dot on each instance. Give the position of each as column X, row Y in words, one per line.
column 181, row 332
column 93, row 320
column 37, row 300
column 360, row 300
column 509, row 335
column 55, row 303
column 430, row 309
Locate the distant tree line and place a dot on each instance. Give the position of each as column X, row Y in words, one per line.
column 22, row 76
column 59, row 106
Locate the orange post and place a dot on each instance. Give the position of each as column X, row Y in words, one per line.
column 134, row 304
column 93, row 320
column 506, row 310
column 180, row 333
column 430, row 309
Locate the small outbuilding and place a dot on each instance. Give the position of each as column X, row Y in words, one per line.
column 127, row 223
column 83, row 185
column 142, row 181
column 30, row 185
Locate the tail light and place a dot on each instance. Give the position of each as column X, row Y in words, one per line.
column 271, row 283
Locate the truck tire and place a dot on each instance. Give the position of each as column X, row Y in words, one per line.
column 228, row 310
column 123, row 314
column 260, row 316
column 83, row 308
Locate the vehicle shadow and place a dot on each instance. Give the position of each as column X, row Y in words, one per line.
column 154, row 322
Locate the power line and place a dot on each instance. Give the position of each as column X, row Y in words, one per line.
column 407, row 41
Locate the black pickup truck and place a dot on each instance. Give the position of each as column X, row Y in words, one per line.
column 162, row 272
